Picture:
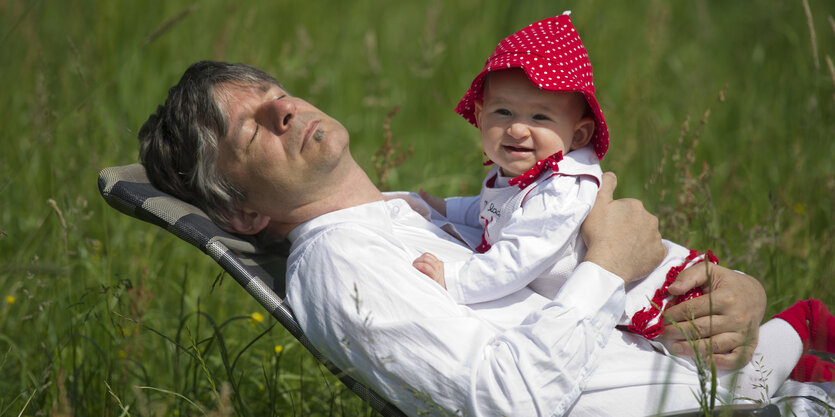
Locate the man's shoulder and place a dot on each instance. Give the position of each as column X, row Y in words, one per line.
column 334, row 256
column 337, row 237
column 340, row 224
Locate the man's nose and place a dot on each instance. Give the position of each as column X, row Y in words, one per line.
column 280, row 113
column 518, row 130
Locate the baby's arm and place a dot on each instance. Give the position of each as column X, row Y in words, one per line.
column 430, row 266
column 437, row 203
column 461, row 210
column 535, row 235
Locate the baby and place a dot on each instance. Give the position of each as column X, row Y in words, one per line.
column 543, row 128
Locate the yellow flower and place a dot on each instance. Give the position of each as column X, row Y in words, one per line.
column 278, row 349
column 122, row 354
column 96, row 247
column 256, row 317
column 799, row 209
column 10, row 299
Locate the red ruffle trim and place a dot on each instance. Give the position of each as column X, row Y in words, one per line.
column 540, row 167
column 641, row 320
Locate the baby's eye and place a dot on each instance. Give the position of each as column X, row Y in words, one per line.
column 503, row 112
column 541, row 117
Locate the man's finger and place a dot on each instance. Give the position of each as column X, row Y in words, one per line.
column 687, row 310
column 691, row 309
column 721, row 343
column 703, row 327
column 736, row 359
column 607, row 188
column 690, row 278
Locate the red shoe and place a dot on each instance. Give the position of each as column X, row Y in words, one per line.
column 811, row 368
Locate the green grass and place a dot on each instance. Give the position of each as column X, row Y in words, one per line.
column 114, row 317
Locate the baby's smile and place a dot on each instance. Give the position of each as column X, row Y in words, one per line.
column 510, row 148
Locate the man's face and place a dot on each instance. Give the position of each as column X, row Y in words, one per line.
column 279, row 149
column 521, row 124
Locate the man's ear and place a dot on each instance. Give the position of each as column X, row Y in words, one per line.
column 583, row 131
column 247, row 222
column 479, row 105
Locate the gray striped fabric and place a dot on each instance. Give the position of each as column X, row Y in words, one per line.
column 259, row 271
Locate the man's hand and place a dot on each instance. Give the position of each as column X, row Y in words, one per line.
column 437, row 203
column 430, row 266
column 738, row 306
column 622, row 237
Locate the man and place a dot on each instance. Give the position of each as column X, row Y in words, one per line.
column 231, row 140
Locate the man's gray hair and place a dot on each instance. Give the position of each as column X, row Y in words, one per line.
column 178, row 144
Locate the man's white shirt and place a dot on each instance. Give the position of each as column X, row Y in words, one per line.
column 351, row 284
column 352, row 287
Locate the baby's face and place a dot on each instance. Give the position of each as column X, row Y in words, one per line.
column 521, row 124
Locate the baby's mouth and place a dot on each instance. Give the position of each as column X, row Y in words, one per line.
column 510, row 148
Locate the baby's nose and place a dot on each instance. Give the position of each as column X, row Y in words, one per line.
column 518, row 130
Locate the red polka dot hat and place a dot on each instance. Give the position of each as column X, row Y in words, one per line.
column 553, row 57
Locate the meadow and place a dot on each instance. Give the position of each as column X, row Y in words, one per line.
column 722, row 118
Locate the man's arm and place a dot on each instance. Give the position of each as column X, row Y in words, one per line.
column 737, row 302
column 622, row 237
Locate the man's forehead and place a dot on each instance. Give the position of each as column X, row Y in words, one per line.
column 234, row 92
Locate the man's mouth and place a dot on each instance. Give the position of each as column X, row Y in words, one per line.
column 312, row 131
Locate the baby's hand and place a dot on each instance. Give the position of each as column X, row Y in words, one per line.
column 431, row 267
column 437, row 203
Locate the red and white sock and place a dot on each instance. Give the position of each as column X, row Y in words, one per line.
column 816, row 327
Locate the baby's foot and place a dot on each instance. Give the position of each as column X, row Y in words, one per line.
column 813, row 323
